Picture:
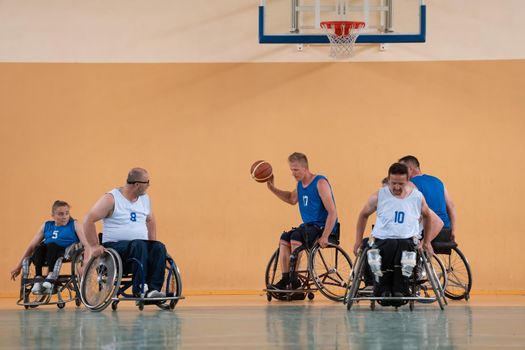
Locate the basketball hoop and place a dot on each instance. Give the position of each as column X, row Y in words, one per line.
column 342, row 36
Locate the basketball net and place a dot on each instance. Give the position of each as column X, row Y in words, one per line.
column 342, row 36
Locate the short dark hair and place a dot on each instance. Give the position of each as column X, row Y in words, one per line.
column 298, row 157
column 384, row 181
column 410, row 160
column 136, row 174
column 398, row 169
column 58, row 204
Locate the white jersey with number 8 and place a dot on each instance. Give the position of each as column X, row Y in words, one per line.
column 128, row 221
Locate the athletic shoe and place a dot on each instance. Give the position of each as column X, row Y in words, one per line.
column 281, row 285
column 37, row 286
column 49, row 283
column 296, row 284
column 155, row 294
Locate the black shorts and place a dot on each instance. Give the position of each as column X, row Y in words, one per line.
column 306, row 234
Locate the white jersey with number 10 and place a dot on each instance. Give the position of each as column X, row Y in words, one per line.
column 396, row 217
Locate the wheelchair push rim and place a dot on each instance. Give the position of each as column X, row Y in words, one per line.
column 100, row 281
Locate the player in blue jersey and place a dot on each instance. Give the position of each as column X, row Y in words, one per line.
column 435, row 194
column 49, row 244
column 318, row 212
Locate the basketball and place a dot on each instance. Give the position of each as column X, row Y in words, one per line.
column 261, row 171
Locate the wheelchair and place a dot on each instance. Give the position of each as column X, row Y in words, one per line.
column 106, row 280
column 325, row 270
column 457, row 267
column 66, row 286
column 426, row 284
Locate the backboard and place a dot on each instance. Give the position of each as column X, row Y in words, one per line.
column 298, row 21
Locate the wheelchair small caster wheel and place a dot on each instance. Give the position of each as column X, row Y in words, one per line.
column 411, row 305
column 61, row 305
column 467, row 296
column 141, row 305
column 26, row 307
column 373, row 305
column 311, row 296
column 77, row 302
column 268, row 297
column 114, row 305
column 172, row 304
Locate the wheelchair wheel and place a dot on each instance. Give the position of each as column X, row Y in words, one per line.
column 30, row 299
column 77, row 262
column 355, row 280
column 440, row 272
column 172, row 285
column 271, row 276
column 459, row 275
column 434, row 281
column 330, row 268
column 101, row 280
column 61, row 305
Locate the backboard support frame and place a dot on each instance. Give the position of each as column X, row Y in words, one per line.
column 386, row 38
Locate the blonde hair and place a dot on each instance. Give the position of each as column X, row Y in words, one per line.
column 298, row 157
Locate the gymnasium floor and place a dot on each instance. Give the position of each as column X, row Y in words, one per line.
column 240, row 322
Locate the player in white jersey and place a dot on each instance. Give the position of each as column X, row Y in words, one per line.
column 130, row 229
column 399, row 207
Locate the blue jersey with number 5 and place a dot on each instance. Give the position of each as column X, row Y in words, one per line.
column 63, row 236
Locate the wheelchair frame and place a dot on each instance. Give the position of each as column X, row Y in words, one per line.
column 112, row 284
column 63, row 283
column 353, row 293
column 311, row 280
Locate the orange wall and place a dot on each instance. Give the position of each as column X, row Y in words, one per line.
column 71, row 132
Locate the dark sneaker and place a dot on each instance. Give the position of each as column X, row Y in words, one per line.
column 281, row 285
column 296, row 284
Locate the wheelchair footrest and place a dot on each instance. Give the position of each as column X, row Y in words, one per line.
column 423, row 299
column 290, row 290
column 155, row 300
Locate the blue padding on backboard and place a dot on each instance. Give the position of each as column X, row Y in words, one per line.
column 361, row 39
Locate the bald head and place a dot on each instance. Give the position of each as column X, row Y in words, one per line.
column 136, row 175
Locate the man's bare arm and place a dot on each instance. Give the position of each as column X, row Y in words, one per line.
column 325, row 192
column 369, row 208
column 289, row 197
column 451, row 210
column 151, row 224
column 102, row 209
column 432, row 225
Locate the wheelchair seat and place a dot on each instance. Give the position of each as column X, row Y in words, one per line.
column 66, row 285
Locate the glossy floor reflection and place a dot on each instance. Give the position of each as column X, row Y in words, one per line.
column 215, row 322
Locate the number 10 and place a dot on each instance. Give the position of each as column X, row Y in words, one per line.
column 399, row 217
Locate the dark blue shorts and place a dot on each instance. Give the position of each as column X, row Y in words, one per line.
column 301, row 235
